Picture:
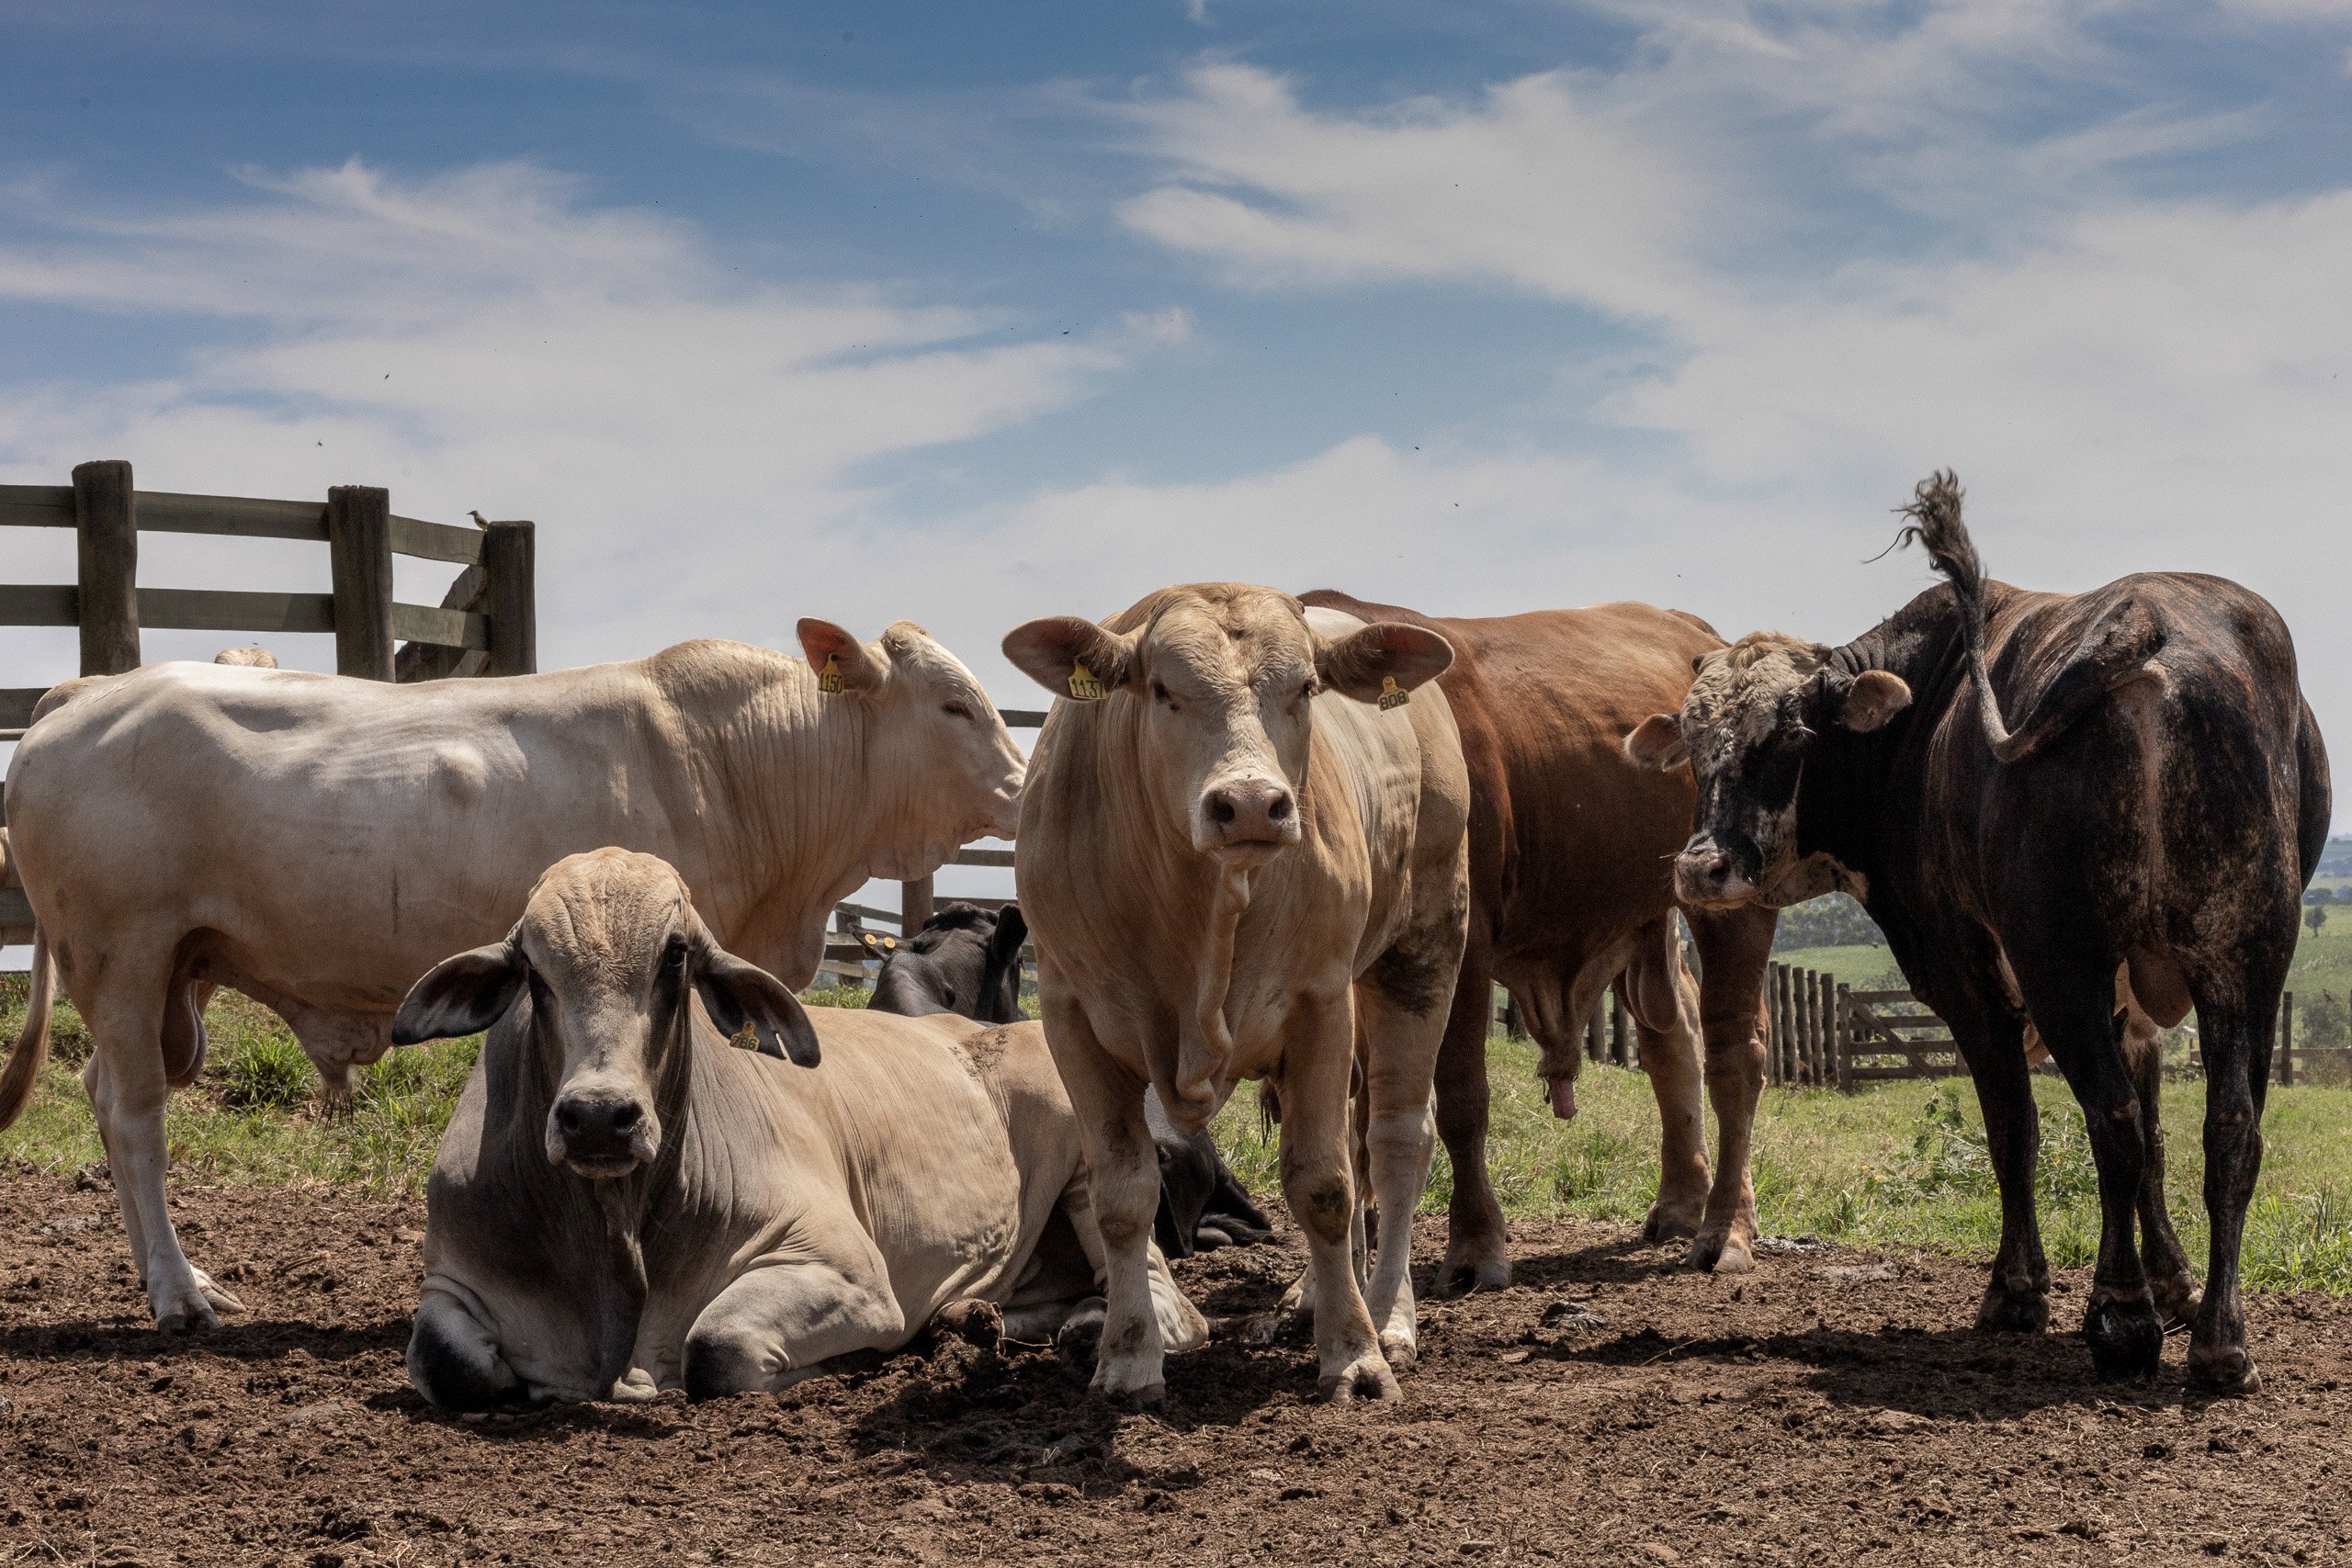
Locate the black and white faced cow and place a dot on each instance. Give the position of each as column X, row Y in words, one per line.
column 2031, row 793
column 625, row 1202
column 966, row 959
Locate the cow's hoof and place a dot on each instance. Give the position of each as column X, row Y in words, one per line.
column 1368, row 1375
column 2228, row 1370
column 186, row 1316
column 2178, row 1299
column 1144, row 1396
column 1400, row 1350
column 1080, row 1339
column 975, row 1323
column 1727, row 1254
column 1473, row 1269
column 2126, row 1337
column 2006, row 1311
column 1669, row 1223
column 219, row 1299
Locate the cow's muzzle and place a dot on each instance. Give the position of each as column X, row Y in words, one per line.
column 1246, row 813
column 1705, row 876
column 600, row 1134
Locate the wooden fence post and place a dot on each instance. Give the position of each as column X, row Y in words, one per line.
column 105, row 527
column 1783, row 1023
column 2287, row 1040
column 1771, row 1028
column 510, row 598
column 1809, row 1026
column 914, row 906
column 1841, row 1054
column 359, row 556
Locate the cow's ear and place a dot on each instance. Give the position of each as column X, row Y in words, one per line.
column 1382, row 659
column 841, row 662
column 1657, row 743
column 1072, row 657
column 1874, row 697
column 1012, row 930
column 736, row 993
column 461, row 996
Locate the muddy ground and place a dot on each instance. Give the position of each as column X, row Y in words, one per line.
column 1829, row 1409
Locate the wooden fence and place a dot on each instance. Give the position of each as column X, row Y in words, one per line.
column 487, row 624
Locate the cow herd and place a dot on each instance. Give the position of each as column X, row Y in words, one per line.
column 1260, row 837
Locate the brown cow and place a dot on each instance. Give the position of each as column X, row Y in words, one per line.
column 1571, row 888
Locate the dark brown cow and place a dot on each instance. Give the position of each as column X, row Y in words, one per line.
column 1571, row 888
column 2159, row 806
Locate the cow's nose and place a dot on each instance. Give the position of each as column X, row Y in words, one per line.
column 1702, row 873
column 1254, row 811
column 597, row 1127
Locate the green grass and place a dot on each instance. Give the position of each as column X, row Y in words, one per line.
column 1900, row 1165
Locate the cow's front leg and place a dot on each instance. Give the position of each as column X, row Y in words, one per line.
column 1321, row 1188
column 1400, row 1056
column 783, row 1321
column 1122, row 1185
column 454, row 1357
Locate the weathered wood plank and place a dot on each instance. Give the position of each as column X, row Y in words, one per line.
column 40, row 605
column 233, row 517
column 36, row 506
column 105, row 525
column 1022, row 719
column 359, row 558
column 445, row 627
column 235, row 610
column 915, row 903
column 510, row 597
column 435, row 541
column 14, row 908
column 984, row 857
column 17, row 705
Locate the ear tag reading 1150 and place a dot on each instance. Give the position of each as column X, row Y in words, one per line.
column 829, row 679
column 1085, row 686
column 1391, row 694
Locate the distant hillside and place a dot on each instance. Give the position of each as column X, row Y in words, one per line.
column 2336, row 859
column 1831, row 920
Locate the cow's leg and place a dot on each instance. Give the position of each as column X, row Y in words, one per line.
column 454, row 1357
column 1400, row 1055
column 1477, row 1243
column 1181, row 1326
column 128, row 1092
column 2237, row 1041
column 1991, row 1040
column 2161, row 1254
column 1123, row 1177
column 1318, row 1183
column 1664, row 1000
column 781, row 1323
column 2075, row 1013
column 1734, row 949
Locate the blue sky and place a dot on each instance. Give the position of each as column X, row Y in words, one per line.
column 971, row 314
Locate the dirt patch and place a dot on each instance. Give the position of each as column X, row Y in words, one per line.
column 1608, row 1408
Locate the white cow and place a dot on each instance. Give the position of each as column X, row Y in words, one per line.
column 318, row 843
column 625, row 1203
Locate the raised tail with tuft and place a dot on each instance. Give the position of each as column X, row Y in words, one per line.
column 1935, row 523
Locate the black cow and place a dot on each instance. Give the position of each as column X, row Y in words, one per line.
column 966, row 959
column 2152, row 818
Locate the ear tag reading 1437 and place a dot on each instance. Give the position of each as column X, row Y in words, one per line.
column 1391, row 694
column 829, row 679
column 1085, row 686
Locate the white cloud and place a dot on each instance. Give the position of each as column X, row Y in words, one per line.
column 486, row 339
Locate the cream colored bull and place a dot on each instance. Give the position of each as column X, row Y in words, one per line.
column 318, row 843
column 1243, row 855
column 624, row 1203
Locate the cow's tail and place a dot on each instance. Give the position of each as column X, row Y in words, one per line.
column 2115, row 650
column 31, row 1053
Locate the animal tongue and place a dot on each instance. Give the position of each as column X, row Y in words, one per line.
column 1563, row 1098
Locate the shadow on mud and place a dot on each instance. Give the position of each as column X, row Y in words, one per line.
column 237, row 1339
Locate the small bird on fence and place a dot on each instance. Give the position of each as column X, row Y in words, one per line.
column 480, row 520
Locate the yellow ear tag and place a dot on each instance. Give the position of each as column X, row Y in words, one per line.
column 1085, row 686
column 829, row 679
column 1391, row 694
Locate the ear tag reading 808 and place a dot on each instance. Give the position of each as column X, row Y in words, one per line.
column 1085, row 686
column 829, row 679
column 1392, row 695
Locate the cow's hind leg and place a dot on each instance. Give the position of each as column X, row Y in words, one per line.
column 2236, row 1043
column 2161, row 1254
column 454, row 1357
column 129, row 1089
column 2075, row 1013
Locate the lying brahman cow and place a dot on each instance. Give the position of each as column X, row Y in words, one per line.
column 966, row 959
column 320, row 843
column 623, row 1202
column 1241, row 848
column 2158, row 808
column 1571, row 888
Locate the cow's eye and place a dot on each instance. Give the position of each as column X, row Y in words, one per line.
column 956, row 710
column 676, row 955
column 1159, row 693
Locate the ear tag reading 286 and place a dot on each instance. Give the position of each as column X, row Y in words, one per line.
column 829, row 679
column 1085, row 686
column 1391, row 694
